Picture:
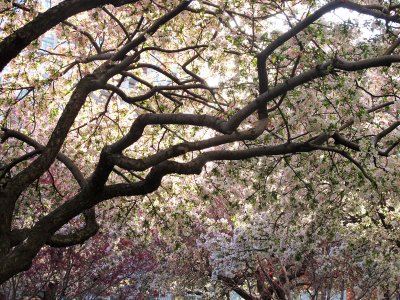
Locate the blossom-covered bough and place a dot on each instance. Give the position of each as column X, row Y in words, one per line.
column 212, row 81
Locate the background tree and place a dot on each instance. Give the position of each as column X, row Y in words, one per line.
column 136, row 95
column 103, row 266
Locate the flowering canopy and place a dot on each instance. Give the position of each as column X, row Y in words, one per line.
column 113, row 99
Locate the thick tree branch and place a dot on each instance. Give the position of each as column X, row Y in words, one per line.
column 153, row 179
column 263, row 55
column 319, row 71
column 385, row 132
column 12, row 45
column 8, row 133
column 142, row 121
column 179, row 149
column 79, row 235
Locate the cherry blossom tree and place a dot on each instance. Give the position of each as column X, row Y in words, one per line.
column 292, row 107
column 103, row 266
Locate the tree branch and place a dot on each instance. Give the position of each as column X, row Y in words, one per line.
column 12, row 45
